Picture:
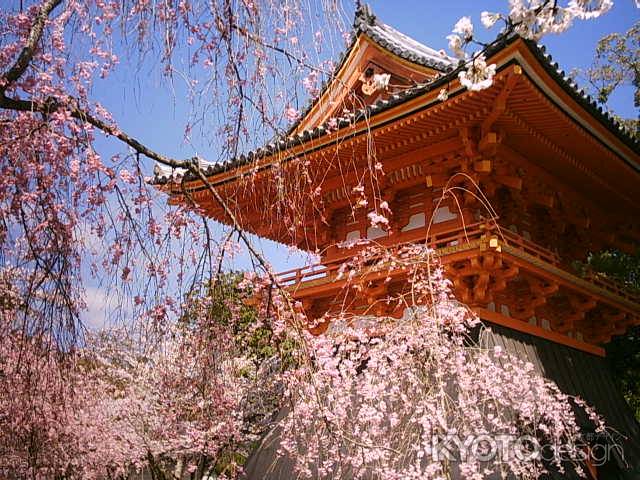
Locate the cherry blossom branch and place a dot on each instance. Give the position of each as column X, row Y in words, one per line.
column 26, row 55
column 290, row 56
column 195, row 169
column 530, row 20
column 53, row 105
column 228, row 39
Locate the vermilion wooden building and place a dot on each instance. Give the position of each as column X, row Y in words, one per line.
column 561, row 175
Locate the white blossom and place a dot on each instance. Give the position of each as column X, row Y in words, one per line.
column 489, row 19
column 464, row 28
column 478, row 74
column 443, row 95
column 377, row 220
column 522, row 14
column 589, row 9
column 553, row 21
column 455, row 45
column 535, row 18
column 381, row 80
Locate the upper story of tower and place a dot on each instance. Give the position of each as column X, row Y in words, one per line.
column 536, row 146
column 396, row 150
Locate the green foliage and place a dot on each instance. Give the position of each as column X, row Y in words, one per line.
column 228, row 463
column 260, row 354
column 226, row 301
column 617, row 63
column 617, row 265
column 624, row 356
column 623, row 352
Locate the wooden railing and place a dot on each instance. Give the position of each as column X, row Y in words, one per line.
column 330, row 267
column 527, row 246
column 307, row 273
column 438, row 240
column 612, row 286
column 444, row 243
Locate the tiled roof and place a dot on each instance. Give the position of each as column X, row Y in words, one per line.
column 398, row 43
column 583, row 98
column 387, row 37
column 287, row 141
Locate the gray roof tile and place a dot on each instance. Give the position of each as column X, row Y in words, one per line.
column 366, row 22
column 397, row 42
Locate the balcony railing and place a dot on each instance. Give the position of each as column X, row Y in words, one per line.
column 329, row 268
column 447, row 242
column 441, row 242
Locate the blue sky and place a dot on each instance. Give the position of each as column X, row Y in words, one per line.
column 146, row 108
column 149, row 110
column 431, row 21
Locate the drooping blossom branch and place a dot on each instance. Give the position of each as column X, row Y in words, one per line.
column 416, row 397
column 172, row 392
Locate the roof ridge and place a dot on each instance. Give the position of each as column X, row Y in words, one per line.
column 288, row 140
column 364, row 15
column 366, row 22
column 398, row 43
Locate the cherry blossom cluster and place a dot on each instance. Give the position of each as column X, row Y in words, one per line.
column 373, row 398
column 531, row 19
column 119, row 408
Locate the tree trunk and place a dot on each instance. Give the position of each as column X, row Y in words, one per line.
column 179, row 470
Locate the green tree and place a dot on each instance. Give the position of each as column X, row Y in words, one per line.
column 229, row 300
column 623, row 352
column 262, row 354
column 617, row 63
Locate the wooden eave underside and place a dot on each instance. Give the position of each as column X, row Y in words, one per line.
column 536, row 132
column 562, row 144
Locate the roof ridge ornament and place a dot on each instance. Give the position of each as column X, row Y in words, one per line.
column 364, row 15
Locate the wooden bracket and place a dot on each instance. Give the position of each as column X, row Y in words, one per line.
column 580, row 306
column 467, row 142
column 482, row 166
column 437, row 180
column 488, row 144
column 509, row 181
column 500, row 103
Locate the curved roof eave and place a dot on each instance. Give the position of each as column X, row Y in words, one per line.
column 567, row 84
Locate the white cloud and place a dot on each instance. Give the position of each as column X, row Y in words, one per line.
column 103, row 307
